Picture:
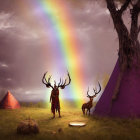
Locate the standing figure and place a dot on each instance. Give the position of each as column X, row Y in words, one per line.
column 54, row 98
column 87, row 106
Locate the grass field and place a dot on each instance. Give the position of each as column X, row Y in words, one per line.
column 96, row 128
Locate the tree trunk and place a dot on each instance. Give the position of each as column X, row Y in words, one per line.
column 128, row 42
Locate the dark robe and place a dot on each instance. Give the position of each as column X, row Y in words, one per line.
column 55, row 105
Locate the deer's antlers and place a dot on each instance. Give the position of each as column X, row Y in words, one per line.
column 88, row 92
column 95, row 90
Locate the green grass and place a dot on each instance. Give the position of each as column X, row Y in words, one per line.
column 96, row 128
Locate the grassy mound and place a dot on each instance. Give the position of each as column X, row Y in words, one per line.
column 28, row 126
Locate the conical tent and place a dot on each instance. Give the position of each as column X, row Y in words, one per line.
column 9, row 102
column 127, row 103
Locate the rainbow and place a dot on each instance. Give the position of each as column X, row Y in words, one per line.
column 56, row 16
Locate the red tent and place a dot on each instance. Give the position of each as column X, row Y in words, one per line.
column 9, row 102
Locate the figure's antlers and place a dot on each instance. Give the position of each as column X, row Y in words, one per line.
column 62, row 84
column 95, row 90
column 47, row 83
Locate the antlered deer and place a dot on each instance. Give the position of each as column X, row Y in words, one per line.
column 87, row 106
column 54, row 98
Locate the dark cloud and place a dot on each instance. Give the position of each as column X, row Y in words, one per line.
column 8, row 5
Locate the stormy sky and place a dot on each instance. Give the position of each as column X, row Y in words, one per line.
column 25, row 56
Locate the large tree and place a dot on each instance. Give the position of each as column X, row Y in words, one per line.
column 129, row 47
column 129, row 57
